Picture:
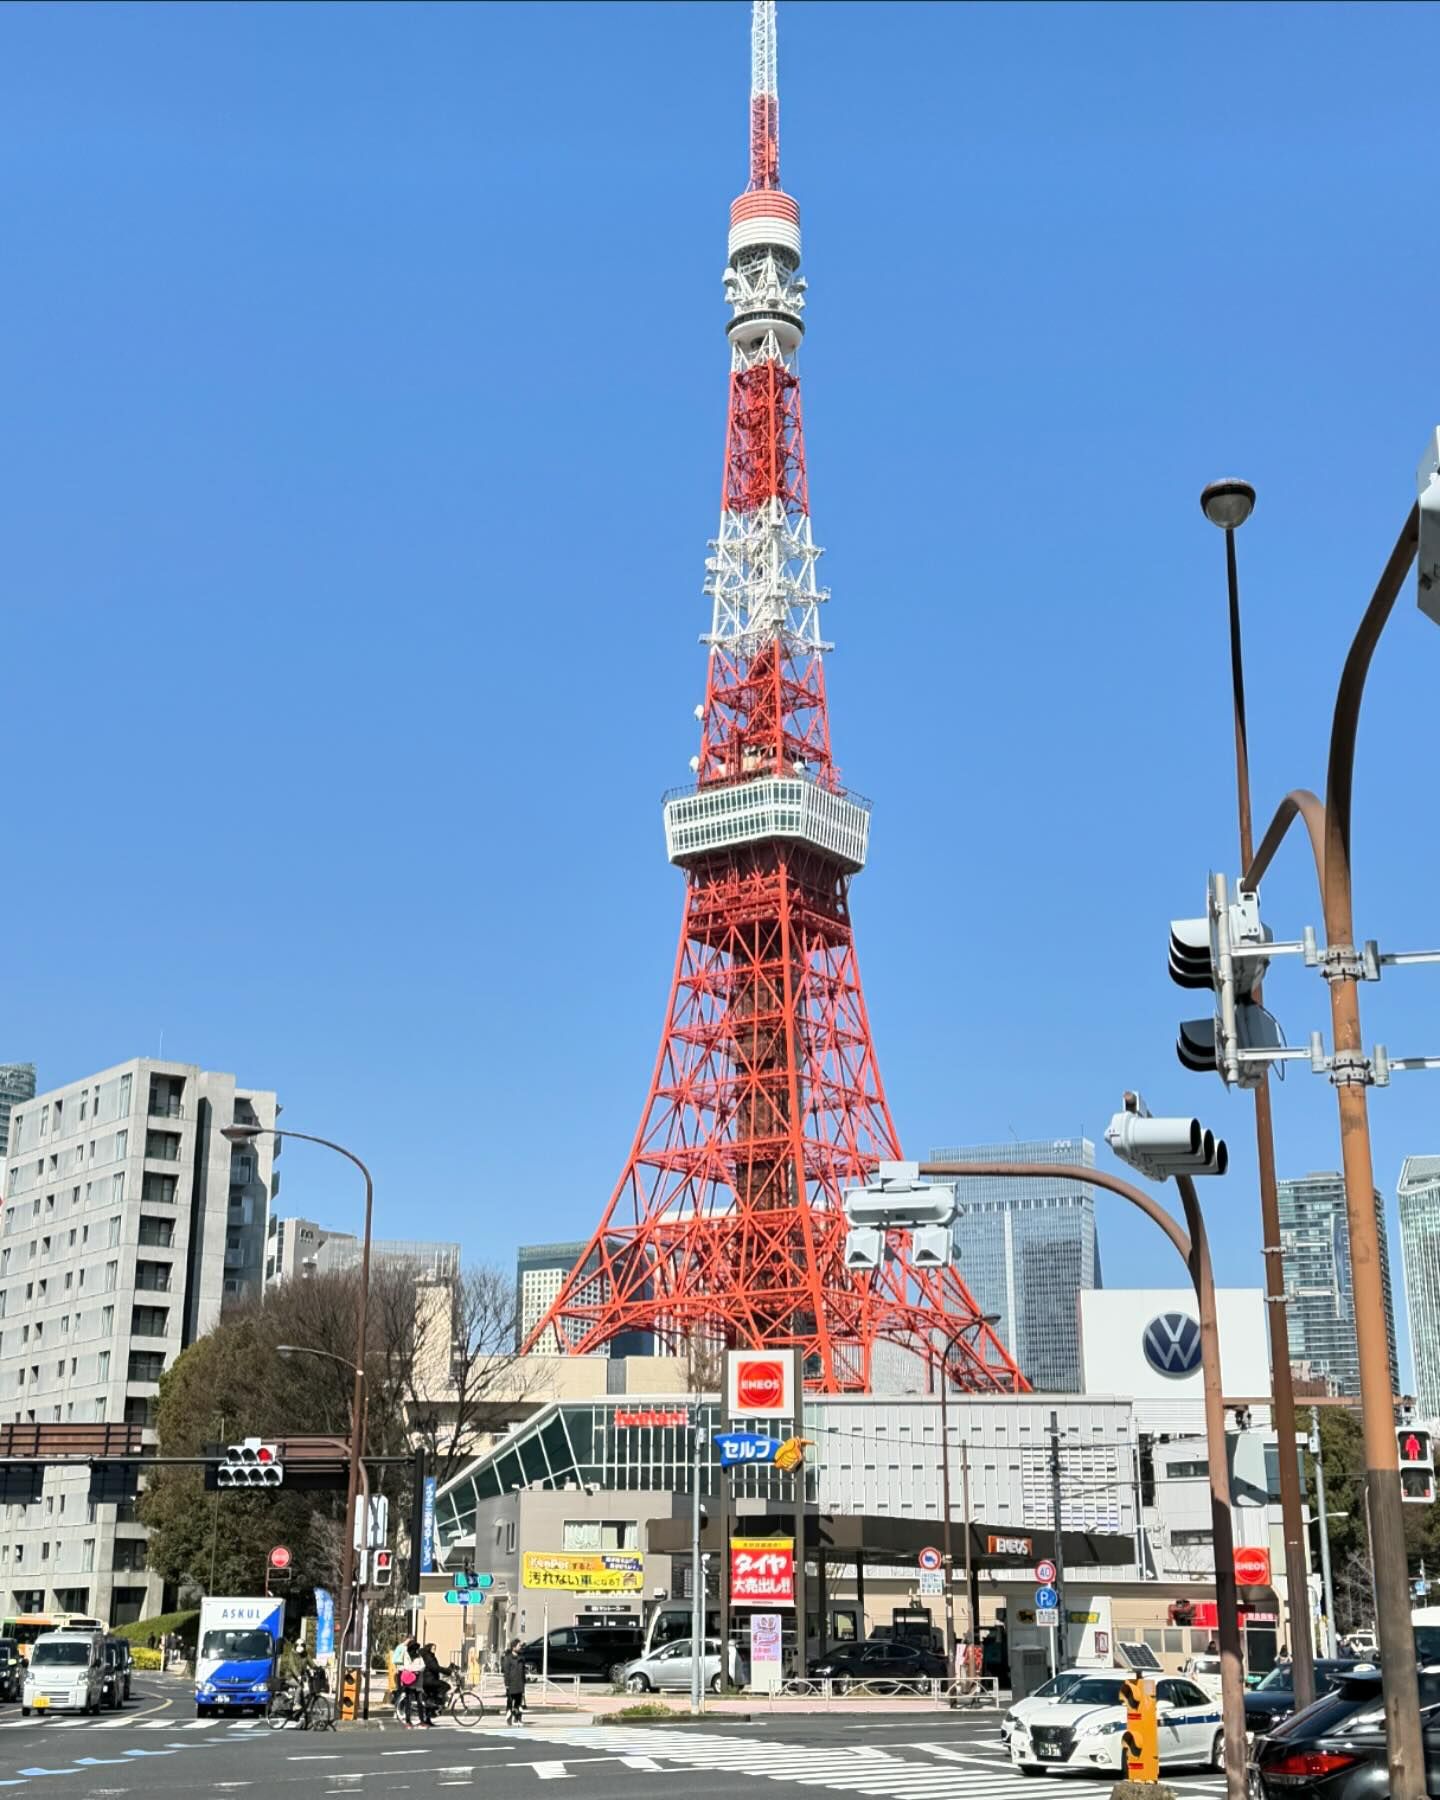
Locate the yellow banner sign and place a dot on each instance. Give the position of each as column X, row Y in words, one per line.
column 573, row 1573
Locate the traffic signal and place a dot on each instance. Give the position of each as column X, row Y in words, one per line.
column 1160, row 1148
column 1140, row 1745
column 1417, row 1465
column 1225, row 952
column 383, row 1572
column 251, row 1464
column 895, row 1199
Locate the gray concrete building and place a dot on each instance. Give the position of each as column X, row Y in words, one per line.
column 17, row 1084
column 300, row 1247
column 128, row 1223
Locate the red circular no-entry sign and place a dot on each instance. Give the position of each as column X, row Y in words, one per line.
column 279, row 1557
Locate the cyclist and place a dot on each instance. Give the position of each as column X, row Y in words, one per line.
column 432, row 1683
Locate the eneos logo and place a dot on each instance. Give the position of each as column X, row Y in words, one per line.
column 760, row 1386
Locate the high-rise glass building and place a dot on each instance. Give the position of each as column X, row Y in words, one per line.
column 1315, row 1240
column 1026, row 1249
column 1420, row 1264
column 17, row 1085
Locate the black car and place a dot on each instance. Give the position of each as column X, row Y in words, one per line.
column 12, row 1669
column 115, row 1689
column 1335, row 1749
column 1274, row 1699
column 878, row 1660
column 589, row 1650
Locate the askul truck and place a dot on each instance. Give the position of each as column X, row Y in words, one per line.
column 236, row 1654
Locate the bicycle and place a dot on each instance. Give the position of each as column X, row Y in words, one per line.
column 301, row 1704
column 460, row 1702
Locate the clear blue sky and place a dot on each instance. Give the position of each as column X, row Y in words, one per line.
column 364, row 380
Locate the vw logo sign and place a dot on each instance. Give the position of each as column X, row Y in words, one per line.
column 1172, row 1344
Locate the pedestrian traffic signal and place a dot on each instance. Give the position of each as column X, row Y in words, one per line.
column 1224, row 951
column 1417, row 1465
column 383, row 1572
column 251, row 1464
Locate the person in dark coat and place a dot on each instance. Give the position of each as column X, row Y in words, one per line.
column 432, row 1683
column 512, row 1671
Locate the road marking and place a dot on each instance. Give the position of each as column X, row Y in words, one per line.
column 640, row 1762
column 551, row 1771
column 328, row 1755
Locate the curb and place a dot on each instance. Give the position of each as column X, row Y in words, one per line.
column 677, row 1718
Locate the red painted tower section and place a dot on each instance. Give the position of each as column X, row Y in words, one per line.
column 766, row 1102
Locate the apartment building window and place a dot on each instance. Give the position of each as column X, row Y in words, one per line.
column 1183, row 1539
column 149, row 1321
column 87, row 1555
column 146, row 1365
column 112, row 1275
column 1188, row 1471
column 102, row 1366
column 242, row 1169
column 45, row 1246
column 40, row 1286
column 164, row 1146
column 84, row 1103
column 114, row 1230
column 123, row 1105
column 70, row 1242
column 601, row 1534
column 107, row 1321
column 122, row 1145
column 153, row 1277
column 49, row 1203
column 100, row 1407
column 60, row 1369
column 158, row 1190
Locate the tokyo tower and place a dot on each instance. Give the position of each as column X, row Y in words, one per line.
column 766, row 1102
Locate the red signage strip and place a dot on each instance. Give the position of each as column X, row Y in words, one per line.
column 654, row 1415
column 762, row 1571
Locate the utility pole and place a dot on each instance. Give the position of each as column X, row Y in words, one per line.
column 945, row 1548
column 1058, row 1556
column 697, row 1584
column 1324, row 1531
column 972, row 1605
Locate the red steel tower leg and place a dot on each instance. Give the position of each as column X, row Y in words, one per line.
column 766, row 1102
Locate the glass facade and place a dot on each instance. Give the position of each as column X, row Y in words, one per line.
column 1026, row 1249
column 1420, row 1263
column 17, row 1084
column 1315, row 1239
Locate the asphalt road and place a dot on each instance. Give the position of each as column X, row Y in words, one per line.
column 156, row 1747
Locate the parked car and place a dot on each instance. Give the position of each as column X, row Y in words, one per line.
column 1335, row 1749
column 878, row 1660
column 1054, row 1689
column 669, row 1667
column 1086, row 1729
column 587, row 1650
column 1274, row 1699
column 12, row 1669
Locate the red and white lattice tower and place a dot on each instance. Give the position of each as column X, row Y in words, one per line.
column 766, row 1100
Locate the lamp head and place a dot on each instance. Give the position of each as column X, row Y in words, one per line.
column 1228, row 503
column 241, row 1134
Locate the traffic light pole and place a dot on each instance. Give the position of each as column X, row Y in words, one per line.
column 1292, row 1525
column 1351, row 1074
column 1194, row 1249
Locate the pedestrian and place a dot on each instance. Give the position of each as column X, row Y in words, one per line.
column 397, row 1663
column 412, row 1698
column 512, row 1671
column 150, row 1641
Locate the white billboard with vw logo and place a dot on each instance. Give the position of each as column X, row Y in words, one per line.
column 1145, row 1342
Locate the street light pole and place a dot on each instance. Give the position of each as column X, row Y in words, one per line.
column 1229, row 504
column 349, row 1596
column 1351, row 1073
column 1324, row 1523
column 945, row 1549
column 1194, row 1249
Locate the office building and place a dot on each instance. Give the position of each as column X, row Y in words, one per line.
column 301, row 1247
column 17, row 1084
column 1027, row 1250
column 1420, row 1266
column 128, row 1223
column 1315, row 1239
column 540, row 1272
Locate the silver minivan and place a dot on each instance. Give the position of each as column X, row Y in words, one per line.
column 66, row 1673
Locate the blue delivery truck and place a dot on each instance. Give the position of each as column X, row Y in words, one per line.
column 236, row 1654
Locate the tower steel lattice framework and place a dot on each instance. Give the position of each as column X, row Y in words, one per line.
column 766, row 1102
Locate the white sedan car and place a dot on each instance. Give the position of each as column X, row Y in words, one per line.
column 1086, row 1729
column 1045, row 1695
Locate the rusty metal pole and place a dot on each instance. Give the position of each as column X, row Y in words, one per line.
column 1228, row 504
column 1227, row 1599
column 1195, row 1252
column 945, row 1550
column 1351, row 1074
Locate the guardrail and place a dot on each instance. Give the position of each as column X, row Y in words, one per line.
column 978, row 1692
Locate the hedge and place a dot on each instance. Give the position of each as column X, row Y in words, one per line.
column 184, row 1625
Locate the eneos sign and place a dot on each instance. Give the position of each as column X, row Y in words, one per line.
column 760, row 1382
column 1252, row 1567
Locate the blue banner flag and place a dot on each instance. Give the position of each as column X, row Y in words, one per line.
column 737, row 1447
column 324, row 1622
column 427, row 1527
